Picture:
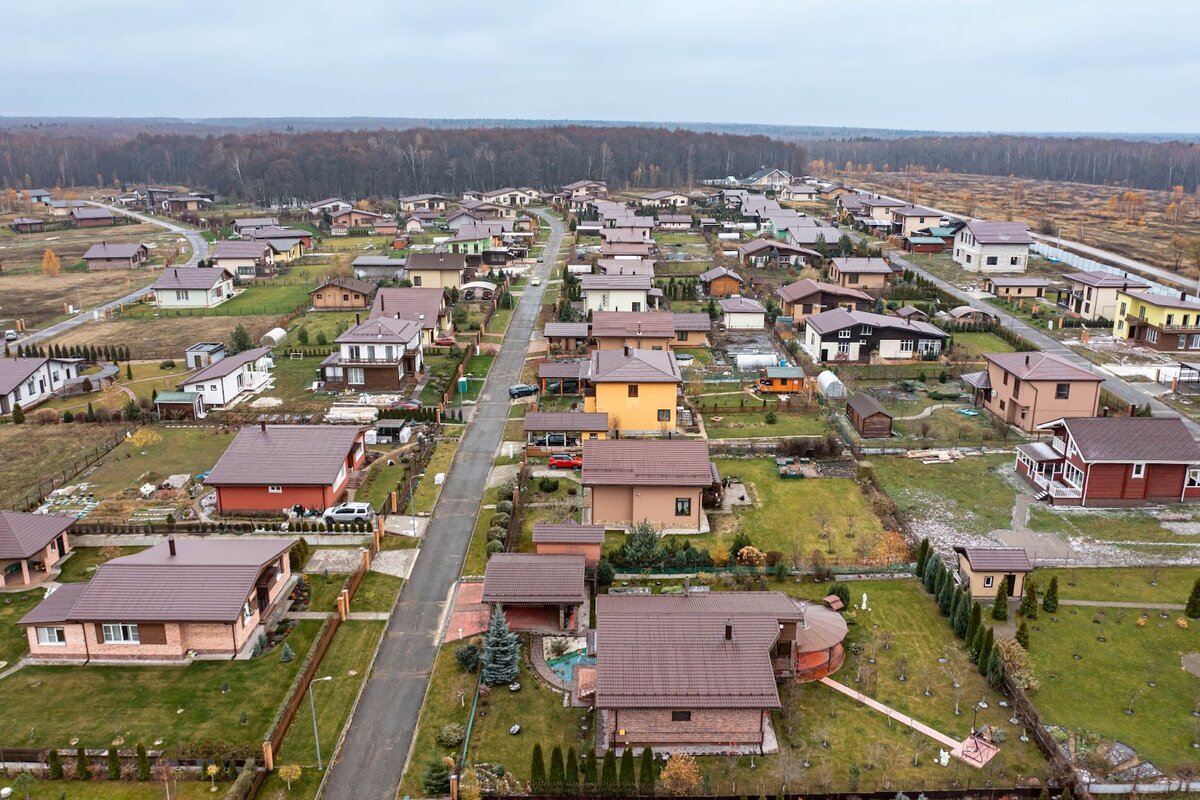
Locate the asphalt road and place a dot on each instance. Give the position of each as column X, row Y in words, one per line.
column 377, row 743
column 1128, row 392
column 199, row 250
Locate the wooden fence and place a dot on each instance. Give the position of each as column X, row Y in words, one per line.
column 69, row 469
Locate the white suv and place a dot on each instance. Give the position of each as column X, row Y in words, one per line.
column 349, row 512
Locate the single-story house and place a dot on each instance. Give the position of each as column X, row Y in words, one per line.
column 342, row 294
column 30, row 544
column 192, row 287
column 30, row 380
column 537, row 591
column 246, row 227
column 721, row 282
column 765, row 252
column 115, row 256
column 230, row 379
column 691, row 329
column 869, row 417
column 647, row 330
column 276, row 467
column 981, row 569
column 91, row 217
column 658, row 481
column 176, row 600
column 1016, row 288
column 674, row 222
column 27, row 225
column 864, row 274
column 742, row 314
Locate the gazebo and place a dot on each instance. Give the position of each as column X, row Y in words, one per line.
column 818, row 646
column 29, row 545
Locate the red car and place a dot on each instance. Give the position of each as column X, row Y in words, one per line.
column 565, row 461
column 446, row 341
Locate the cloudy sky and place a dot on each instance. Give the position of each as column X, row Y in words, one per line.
column 1004, row 65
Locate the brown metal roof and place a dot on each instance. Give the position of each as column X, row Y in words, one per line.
column 607, row 281
column 16, row 370
column 865, row 405
column 411, row 303
column 646, row 462
column 633, row 323
column 565, row 330
column 1125, row 440
column 692, row 321
column 807, row 287
column 382, row 330
column 634, row 365
column 419, row 261
column 718, row 272
column 240, row 249
column 741, row 305
column 303, row 455
column 541, row 421
column 569, row 532
column 190, row 278
column 352, row 284
column 521, row 579
column 207, row 580
column 107, row 250
column 1040, row 367
column 562, row 369
column 26, row 535
column 996, row 559
column 862, row 266
column 56, row 606
column 986, row 232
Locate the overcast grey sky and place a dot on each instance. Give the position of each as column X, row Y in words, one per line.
column 1052, row 65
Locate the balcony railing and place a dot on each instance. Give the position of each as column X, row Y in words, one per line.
column 1057, row 445
column 1064, row 490
column 1194, row 328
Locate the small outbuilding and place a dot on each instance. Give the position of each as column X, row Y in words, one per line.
column 538, row 592
column 980, row 570
column 831, row 386
column 869, row 417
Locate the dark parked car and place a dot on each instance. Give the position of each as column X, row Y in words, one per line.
column 566, row 386
column 521, row 390
column 552, row 440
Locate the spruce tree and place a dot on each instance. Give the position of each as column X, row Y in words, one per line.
column 1029, row 606
column 590, row 782
column 1192, row 609
column 973, row 624
column 571, row 772
column 82, row 772
column 995, row 669
column 922, row 554
column 54, row 765
column 557, row 773
column 18, row 414
column 962, row 613
column 976, row 643
column 537, row 771
column 1000, row 607
column 1022, row 636
column 647, row 777
column 627, row 777
column 927, row 573
column 1050, row 599
column 143, row 763
column 114, row 764
column 608, row 775
column 501, row 654
column 946, row 599
column 985, row 652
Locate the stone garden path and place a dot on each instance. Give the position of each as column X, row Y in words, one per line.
column 928, row 411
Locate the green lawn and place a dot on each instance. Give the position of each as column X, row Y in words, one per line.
column 330, row 323
column 346, row 661
column 148, row 377
column 1106, row 526
column 476, row 558
column 33, row 452
column 426, row 495
column 975, row 343
column 268, row 297
column 788, row 515
column 99, row 789
column 82, row 561
column 13, row 643
column 748, row 426
column 536, row 708
column 377, row 592
column 177, row 450
column 476, row 373
column 498, row 324
column 702, row 355
column 945, row 427
column 145, row 704
column 294, row 376
column 969, row 494
column 324, row 590
column 381, row 481
column 1091, row 693
column 1122, row 584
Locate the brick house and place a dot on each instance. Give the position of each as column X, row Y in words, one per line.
column 275, row 467
column 661, row 482
column 378, row 355
column 700, row 672
column 1113, row 461
column 30, row 544
column 176, row 600
column 1030, row 389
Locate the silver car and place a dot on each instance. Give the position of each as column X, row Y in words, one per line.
column 347, row 513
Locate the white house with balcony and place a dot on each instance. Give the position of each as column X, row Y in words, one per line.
column 233, row 378
column 379, row 355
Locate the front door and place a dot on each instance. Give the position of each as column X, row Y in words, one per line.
column 60, row 545
column 1011, row 580
column 263, row 595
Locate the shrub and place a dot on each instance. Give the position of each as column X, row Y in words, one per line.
column 1050, row 599
column 467, row 656
column 505, row 505
column 54, row 765
column 114, row 764
column 496, row 534
column 286, row 654
column 499, row 520
column 842, row 591
column 451, row 735
column 548, row 485
column 605, row 575
column 168, row 364
column 82, row 772
column 494, row 547
column 771, row 418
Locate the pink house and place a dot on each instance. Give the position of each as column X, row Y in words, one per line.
column 30, row 544
column 177, row 600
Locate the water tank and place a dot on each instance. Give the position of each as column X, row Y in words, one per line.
column 273, row 338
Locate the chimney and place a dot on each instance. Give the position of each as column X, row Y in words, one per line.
column 356, row 319
column 729, row 631
column 1027, row 359
column 171, row 545
column 687, row 585
column 626, row 351
column 263, row 425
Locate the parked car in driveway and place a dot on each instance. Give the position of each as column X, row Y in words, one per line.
column 552, row 440
column 565, row 461
column 521, row 390
column 347, row 513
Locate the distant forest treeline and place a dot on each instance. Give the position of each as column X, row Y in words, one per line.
column 1140, row 165
column 278, row 167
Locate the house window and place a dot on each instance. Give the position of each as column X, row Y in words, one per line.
column 356, row 375
column 1001, row 405
column 683, row 506
column 1139, row 470
column 987, row 581
column 664, row 415
column 1062, row 391
column 681, row 716
column 1014, row 260
column 247, row 612
column 852, row 278
column 867, row 330
column 991, row 261
column 55, row 636
column 1152, row 335
column 681, row 336
column 416, row 280
column 844, row 334
column 117, row 633
column 1182, row 344
column 633, row 390
column 181, row 295
column 275, row 489
column 906, row 345
column 1124, row 306
column 968, row 258
column 1193, row 478
column 844, row 348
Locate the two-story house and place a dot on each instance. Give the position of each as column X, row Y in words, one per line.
column 806, row 297
column 841, row 335
column 865, row 274
column 638, row 389
column 1093, row 295
column 375, row 356
column 429, row 306
column 228, row 380
column 1031, row 389
column 907, row 220
column 437, row 270
column 245, row 258
column 1113, row 461
column 1158, row 321
column 983, row 246
column 192, row 287
column 616, row 292
column 879, row 208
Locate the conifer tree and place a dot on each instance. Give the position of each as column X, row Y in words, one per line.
column 571, row 772
column 985, row 650
column 627, row 778
column 537, row 771
column 1000, row 607
column 1022, row 635
column 501, row 651
column 608, row 775
column 647, row 777
column 1192, row 609
column 1050, row 599
column 557, row 774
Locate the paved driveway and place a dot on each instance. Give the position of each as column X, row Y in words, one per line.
column 377, row 743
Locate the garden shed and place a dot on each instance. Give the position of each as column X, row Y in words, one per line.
column 869, row 417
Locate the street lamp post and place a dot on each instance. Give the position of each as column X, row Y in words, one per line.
column 313, row 705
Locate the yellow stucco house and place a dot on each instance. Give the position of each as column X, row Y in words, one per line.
column 638, row 389
column 1158, row 321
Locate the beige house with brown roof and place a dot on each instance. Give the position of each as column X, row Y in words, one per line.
column 983, row 569
column 436, row 270
column 1029, row 389
column 643, row 480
